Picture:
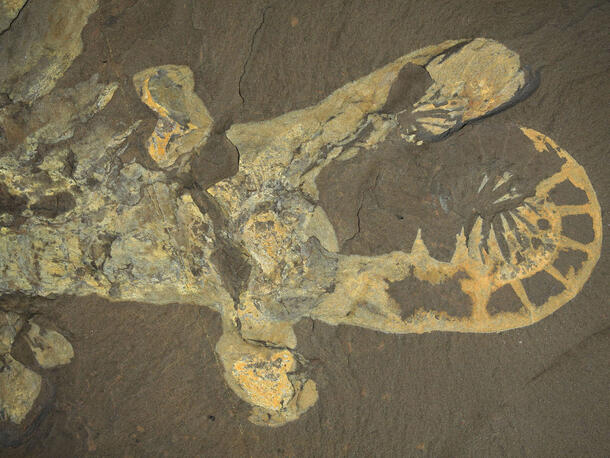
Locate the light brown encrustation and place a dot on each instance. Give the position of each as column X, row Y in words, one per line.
column 126, row 232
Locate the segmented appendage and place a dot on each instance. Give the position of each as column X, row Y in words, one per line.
column 536, row 237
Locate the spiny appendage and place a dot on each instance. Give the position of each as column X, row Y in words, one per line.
column 469, row 83
column 535, row 238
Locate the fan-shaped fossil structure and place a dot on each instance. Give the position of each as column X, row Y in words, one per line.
column 266, row 247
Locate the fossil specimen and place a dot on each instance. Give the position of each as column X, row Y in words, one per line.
column 272, row 209
column 260, row 247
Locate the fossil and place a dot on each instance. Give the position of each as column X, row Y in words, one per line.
column 272, row 208
column 260, row 247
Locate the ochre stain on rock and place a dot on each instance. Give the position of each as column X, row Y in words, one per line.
column 265, row 379
column 184, row 122
column 135, row 234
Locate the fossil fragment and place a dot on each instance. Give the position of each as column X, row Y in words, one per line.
column 134, row 234
column 530, row 244
column 266, row 378
column 53, row 117
column 469, row 81
column 10, row 324
column 273, row 198
column 86, row 223
column 35, row 56
column 19, row 388
column 184, row 122
column 50, row 348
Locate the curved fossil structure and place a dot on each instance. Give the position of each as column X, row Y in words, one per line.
column 260, row 247
column 273, row 211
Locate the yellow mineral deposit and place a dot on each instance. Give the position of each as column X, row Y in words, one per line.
column 365, row 280
column 147, row 241
column 19, row 388
column 475, row 79
column 184, row 122
column 265, row 379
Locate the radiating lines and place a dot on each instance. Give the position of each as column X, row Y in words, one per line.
column 567, row 242
column 517, row 286
column 483, row 183
column 554, row 272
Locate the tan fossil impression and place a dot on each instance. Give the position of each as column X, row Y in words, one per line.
column 279, row 160
column 160, row 247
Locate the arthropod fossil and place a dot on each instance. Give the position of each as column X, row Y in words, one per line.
column 288, row 260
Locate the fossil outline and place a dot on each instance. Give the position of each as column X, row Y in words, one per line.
column 268, row 236
column 272, row 216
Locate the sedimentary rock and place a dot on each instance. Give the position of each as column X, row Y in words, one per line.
column 9, row 9
column 260, row 247
column 40, row 53
column 273, row 207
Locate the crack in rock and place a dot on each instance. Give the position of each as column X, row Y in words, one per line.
column 250, row 51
